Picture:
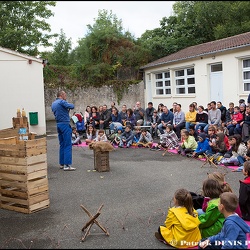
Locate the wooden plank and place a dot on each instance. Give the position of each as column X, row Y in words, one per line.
column 23, row 161
column 15, row 208
column 39, row 206
column 36, row 198
column 36, row 174
column 8, row 132
column 30, row 200
column 25, row 185
column 22, row 193
column 13, row 177
column 9, row 140
column 37, row 183
column 7, row 168
column 33, row 208
column 5, row 199
column 36, row 151
column 35, row 143
column 17, row 193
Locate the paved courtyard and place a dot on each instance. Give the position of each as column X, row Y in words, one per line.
column 135, row 194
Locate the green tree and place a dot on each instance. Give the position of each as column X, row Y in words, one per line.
column 61, row 51
column 107, row 49
column 196, row 22
column 23, row 23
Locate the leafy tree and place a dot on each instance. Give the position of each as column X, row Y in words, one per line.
column 61, row 49
column 22, row 24
column 106, row 49
column 196, row 22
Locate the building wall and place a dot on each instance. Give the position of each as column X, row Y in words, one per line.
column 232, row 79
column 81, row 97
column 21, row 86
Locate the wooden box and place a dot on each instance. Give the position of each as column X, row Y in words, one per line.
column 101, row 161
column 23, row 175
column 20, row 122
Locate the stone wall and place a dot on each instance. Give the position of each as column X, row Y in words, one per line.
column 81, row 97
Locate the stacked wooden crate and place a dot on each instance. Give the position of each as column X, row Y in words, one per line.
column 23, row 172
column 101, row 161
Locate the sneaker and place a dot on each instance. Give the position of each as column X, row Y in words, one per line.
column 68, row 168
column 153, row 148
column 61, row 166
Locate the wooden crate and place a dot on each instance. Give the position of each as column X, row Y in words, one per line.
column 9, row 132
column 24, row 148
column 101, row 161
column 23, row 175
column 20, row 122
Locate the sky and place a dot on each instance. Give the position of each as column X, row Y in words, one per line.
column 136, row 16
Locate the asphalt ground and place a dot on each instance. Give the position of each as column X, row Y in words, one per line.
column 136, row 194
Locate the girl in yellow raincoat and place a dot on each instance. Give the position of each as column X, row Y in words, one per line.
column 181, row 229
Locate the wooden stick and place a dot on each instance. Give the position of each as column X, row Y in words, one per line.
column 87, row 232
column 91, row 221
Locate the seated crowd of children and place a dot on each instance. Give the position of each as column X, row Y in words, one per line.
column 219, row 223
column 216, row 132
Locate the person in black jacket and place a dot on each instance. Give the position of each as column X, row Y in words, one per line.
column 244, row 192
column 105, row 117
column 223, row 110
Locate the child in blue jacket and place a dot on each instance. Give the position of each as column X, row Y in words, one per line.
column 234, row 230
column 203, row 145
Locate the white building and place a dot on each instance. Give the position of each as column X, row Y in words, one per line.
column 213, row 71
column 21, row 86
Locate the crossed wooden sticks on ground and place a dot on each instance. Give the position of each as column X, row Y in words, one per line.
column 93, row 219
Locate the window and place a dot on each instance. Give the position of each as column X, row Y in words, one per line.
column 163, row 83
column 216, row 67
column 185, row 81
column 246, row 75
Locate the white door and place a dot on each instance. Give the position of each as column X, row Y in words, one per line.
column 216, row 83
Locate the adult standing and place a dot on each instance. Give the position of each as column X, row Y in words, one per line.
column 60, row 107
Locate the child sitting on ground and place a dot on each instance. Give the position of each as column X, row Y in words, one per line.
column 101, row 136
column 169, row 139
column 145, row 139
column 116, row 136
column 126, row 137
column 188, row 144
column 75, row 137
column 244, row 192
column 234, row 230
column 181, row 227
column 245, row 158
column 225, row 187
column 212, row 220
column 203, row 146
column 137, row 135
column 91, row 134
column 237, row 151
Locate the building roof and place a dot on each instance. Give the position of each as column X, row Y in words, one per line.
column 13, row 52
column 229, row 43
